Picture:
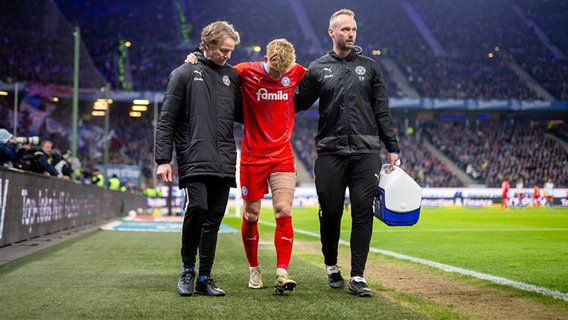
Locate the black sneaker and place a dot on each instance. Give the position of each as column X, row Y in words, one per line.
column 358, row 286
column 335, row 279
column 207, row 287
column 186, row 283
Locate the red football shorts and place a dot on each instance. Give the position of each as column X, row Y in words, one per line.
column 255, row 171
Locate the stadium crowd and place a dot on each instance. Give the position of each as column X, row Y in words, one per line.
column 488, row 150
column 460, row 67
column 492, row 151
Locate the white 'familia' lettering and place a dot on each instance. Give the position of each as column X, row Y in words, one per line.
column 263, row 94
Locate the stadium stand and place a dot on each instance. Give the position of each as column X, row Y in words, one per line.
column 437, row 49
column 501, row 149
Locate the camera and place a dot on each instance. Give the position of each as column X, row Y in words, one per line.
column 28, row 140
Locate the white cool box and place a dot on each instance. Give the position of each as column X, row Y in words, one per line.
column 398, row 198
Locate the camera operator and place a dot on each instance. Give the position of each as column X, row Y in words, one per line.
column 8, row 146
column 61, row 161
column 44, row 163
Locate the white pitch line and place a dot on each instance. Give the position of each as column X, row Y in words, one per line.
column 498, row 280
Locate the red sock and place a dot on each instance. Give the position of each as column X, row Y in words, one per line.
column 283, row 241
column 249, row 234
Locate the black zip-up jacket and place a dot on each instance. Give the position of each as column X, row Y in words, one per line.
column 353, row 105
column 200, row 105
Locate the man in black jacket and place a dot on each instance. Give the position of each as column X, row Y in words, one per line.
column 354, row 120
column 43, row 160
column 200, row 104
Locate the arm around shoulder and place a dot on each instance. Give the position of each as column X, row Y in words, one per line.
column 307, row 92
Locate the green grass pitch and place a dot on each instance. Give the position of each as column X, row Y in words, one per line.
column 132, row 275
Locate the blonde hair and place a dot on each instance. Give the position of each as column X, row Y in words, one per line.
column 338, row 13
column 280, row 54
column 216, row 32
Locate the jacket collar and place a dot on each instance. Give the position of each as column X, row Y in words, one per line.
column 201, row 58
column 207, row 62
column 354, row 52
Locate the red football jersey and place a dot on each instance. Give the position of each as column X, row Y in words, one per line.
column 268, row 109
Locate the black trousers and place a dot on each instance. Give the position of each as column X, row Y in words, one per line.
column 206, row 201
column 333, row 175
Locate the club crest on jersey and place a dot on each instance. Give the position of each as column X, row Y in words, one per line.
column 244, row 190
column 226, row 80
column 263, row 94
column 285, row 81
column 360, row 70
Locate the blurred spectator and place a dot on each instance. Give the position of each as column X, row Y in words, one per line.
column 98, row 178
column 131, row 187
column 114, row 183
column 8, row 148
column 83, row 176
column 150, row 192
